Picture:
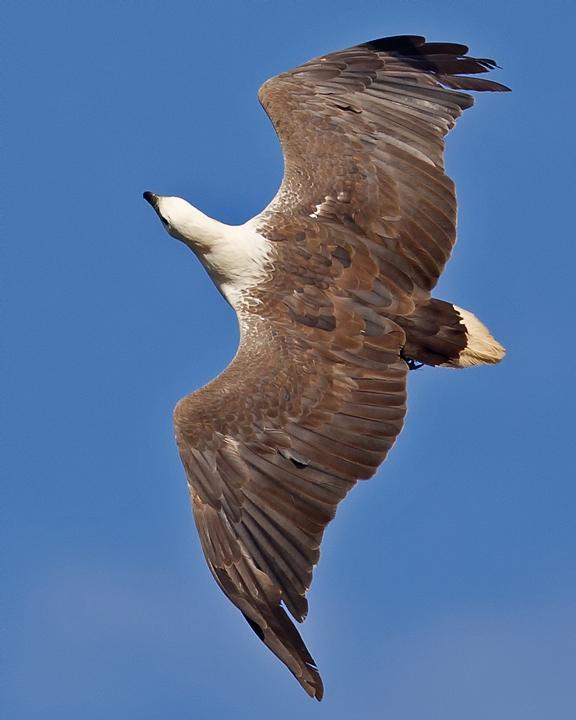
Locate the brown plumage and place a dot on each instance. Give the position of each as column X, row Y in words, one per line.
column 360, row 231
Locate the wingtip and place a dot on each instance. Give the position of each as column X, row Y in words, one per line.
column 279, row 634
column 312, row 684
column 441, row 58
column 319, row 694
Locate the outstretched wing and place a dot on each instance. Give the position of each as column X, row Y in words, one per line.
column 270, row 449
column 361, row 229
column 362, row 135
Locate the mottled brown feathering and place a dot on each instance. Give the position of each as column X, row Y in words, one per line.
column 361, row 227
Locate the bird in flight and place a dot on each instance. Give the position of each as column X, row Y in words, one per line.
column 332, row 285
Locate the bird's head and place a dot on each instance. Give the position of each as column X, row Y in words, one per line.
column 236, row 256
column 177, row 215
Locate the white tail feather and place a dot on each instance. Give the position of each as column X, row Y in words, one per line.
column 481, row 346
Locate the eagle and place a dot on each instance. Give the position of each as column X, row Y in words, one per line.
column 332, row 286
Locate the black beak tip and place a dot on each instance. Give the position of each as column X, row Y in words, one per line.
column 149, row 197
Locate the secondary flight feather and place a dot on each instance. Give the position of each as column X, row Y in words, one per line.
column 332, row 287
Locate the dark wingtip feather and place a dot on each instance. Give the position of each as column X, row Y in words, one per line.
column 445, row 60
column 396, row 43
column 281, row 636
column 445, row 48
column 458, row 82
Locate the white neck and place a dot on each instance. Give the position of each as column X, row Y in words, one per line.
column 235, row 256
column 196, row 229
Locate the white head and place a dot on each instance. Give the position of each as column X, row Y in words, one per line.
column 236, row 257
column 183, row 221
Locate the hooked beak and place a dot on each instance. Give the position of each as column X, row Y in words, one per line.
column 152, row 198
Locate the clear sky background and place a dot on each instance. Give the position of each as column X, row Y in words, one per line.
column 447, row 585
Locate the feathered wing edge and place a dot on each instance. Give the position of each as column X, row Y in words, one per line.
column 258, row 599
column 447, row 61
column 261, row 505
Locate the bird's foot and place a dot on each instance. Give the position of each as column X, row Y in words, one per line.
column 412, row 364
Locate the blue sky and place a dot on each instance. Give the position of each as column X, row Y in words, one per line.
column 447, row 585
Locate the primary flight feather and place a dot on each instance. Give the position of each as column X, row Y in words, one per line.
column 332, row 287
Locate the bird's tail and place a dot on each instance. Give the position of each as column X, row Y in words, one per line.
column 438, row 333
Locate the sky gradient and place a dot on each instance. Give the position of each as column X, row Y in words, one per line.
column 446, row 588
